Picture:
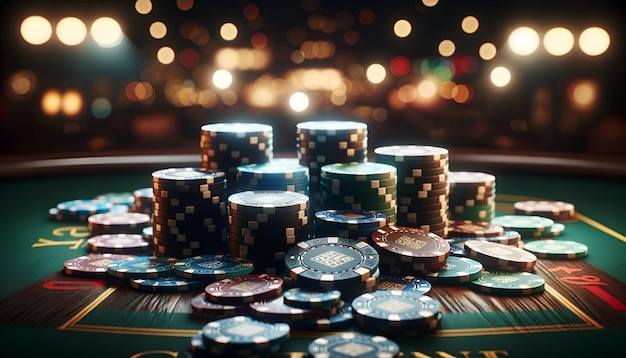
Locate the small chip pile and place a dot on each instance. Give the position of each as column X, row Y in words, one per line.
column 117, row 223
column 330, row 263
column 263, row 225
column 142, row 201
column 552, row 209
column 351, row 224
column 225, row 146
column 329, row 141
column 472, row 196
column 352, row 344
column 78, row 210
column 359, row 186
column 422, row 185
column 285, row 174
column 189, row 212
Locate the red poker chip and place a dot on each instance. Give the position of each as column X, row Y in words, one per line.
column 468, row 228
column 408, row 244
column 92, row 265
column 201, row 306
column 556, row 210
column 500, row 254
column 244, row 289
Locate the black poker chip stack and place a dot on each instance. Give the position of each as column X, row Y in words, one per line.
column 189, row 212
column 225, row 146
column 321, row 142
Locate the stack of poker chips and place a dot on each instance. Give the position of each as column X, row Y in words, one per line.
column 334, row 263
column 351, row 224
column 189, row 212
column 225, row 146
column 263, row 225
column 359, row 186
column 472, row 196
column 408, row 250
column 422, row 185
column 142, row 202
column 117, row 223
column 500, row 257
column 285, row 174
column 321, row 142
column 552, row 209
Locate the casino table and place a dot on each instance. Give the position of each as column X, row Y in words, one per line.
column 44, row 312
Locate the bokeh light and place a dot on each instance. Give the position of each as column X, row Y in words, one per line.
column 583, row 94
column 470, row 24
column 375, row 73
column 446, row 48
column 158, row 30
column 143, row 7
column 165, row 55
column 402, row 28
column 558, row 41
column 36, row 30
column 430, row 3
column 51, row 102
column 71, row 103
column 229, row 31
column 299, row 102
column 500, row 76
column 22, row 83
column 101, row 108
column 106, row 32
column 487, row 51
column 222, row 79
column 523, row 41
column 71, row 31
column 594, row 41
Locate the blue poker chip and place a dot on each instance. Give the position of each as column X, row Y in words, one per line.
column 352, row 219
column 212, row 267
column 167, row 284
column 240, row 333
column 197, row 346
column 403, row 283
column 311, row 298
column 344, row 345
column 79, row 210
column 456, row 270
column 394, row 310
column 141, row 267
column 117, row 198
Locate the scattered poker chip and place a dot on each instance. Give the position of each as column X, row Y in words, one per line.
column 499, row 254
column 557, row 229
column 556, row 249
column 244, row 289
column 92, row 265
column 456, row 270
column 509, row 283
column 341, row 319
column 244, row 336
column 312, row 299
column 202, row 307
column 117, row 243
column 410, row 244
column 117, row 223
column 197, row 346
column 212, row 267
column 166, row 284
column 403, row 283
column 117, row 198
column 527, row 225
column 553, row 209
column 331, row 262
column 352, row 219
column 467, row 228
column 147, row 233
column 351, row 344
column 395, row 311
column 141, row 267
column 79, row 210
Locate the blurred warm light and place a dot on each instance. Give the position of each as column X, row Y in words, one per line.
column 430, row 3
column 143, row 7
column 446, row 88
column 106, row 32
column 71, row 103
column 338, row 98
column 101, row 108
column 258, row 40
column 184, row 5
column 400, row 66
column 166, row 55
column 22, row 83
column 189, row 58
column 375, row 73
column 487, row 51
column 583, row 94
column 462, row 93
column 298, row 101
column 594, row 41
column 558, row 41
column 317, row 49
column 228, row 31
column 402, row 28
column 242, row 58
column 523, row 41
column 36, row 30
column 222, row 79
column 51, row 102
column 351, row 37
column 500, row 76
column 260, row 93
column 407, row 93
column 139, row 91
column 229, row 98
column 446, row 48
column 469, row 24
column 207, row 99
column 427, row 88
column 366, row 16
column 251, row 11
column 158, row 30
column 71, row 31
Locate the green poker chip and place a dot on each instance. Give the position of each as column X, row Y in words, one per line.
column 359, row 171
column 456, row 270
column 509, row 283
column 212, row 267
column 557, row 249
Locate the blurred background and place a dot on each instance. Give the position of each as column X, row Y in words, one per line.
column 95, row 76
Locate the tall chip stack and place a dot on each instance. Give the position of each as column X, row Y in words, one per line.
column 329, row 141
column 225, row 146
column 189, row 212
column 360, row 186
column 285, row 174
column 422, row 185
column 472, row 196
column 263, row 225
